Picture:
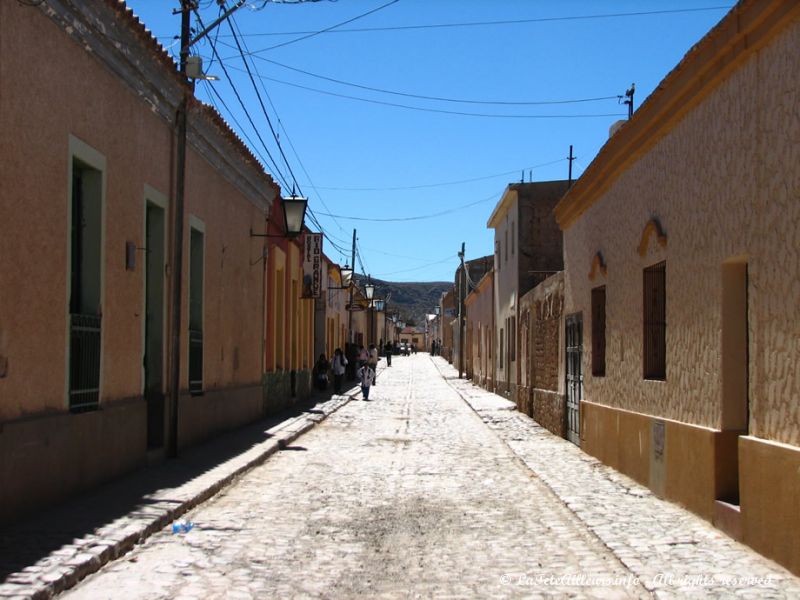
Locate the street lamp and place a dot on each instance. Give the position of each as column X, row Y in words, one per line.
column 369, row 292
column 347, row 275
column 294, row 214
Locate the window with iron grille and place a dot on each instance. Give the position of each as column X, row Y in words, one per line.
column 655, row 322
column 599, row 331
column 85, row 282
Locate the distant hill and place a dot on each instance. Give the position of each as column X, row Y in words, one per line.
column 411, row 300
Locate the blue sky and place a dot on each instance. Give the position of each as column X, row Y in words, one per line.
column 420, row 181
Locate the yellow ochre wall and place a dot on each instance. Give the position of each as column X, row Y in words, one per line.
column 722, row 178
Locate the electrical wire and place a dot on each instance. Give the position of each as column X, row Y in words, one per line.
column 277, row 171
column 414, row 218
column 312, row 216
column 439, row 110
column 241, row 130
column 433, row 264
column 264, row 109
column 327, row 29
column 437, row 98
column 442, row 184
column 493, row 23
column 359, row 257
column 285, row 132
column 395, row 255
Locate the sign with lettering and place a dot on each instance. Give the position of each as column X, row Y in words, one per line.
column 312, row 266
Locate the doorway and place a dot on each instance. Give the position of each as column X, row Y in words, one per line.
column 735, row 377
column 574, row 382
column 154, row 325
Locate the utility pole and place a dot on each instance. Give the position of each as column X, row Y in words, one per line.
column 570, row 158
column 176, row 271
column 178, row 216
column 629, row 95
column 461, row 293
column 352, row 281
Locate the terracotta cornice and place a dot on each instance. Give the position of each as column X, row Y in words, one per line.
column 747, row 28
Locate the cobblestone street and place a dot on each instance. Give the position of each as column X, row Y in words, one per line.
column 435, row 488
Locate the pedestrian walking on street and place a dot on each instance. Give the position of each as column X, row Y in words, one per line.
column 339, row 365
column 372, row 361
column 387, row 350
column 363, row 356
column 366, row 377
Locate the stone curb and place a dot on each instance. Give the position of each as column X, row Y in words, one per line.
column 64, row 568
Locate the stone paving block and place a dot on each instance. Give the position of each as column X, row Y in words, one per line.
column 76, row 557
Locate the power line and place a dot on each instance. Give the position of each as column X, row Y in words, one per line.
column 437, row 98
column 264, row 109
column 439, row 110
column 242, row 131
column 394, row 255
column 433, row 264
column 286, row 133
column 244, row 108
column 359, row 257
column 327, row 29
column 442, row 184
column 414, row 218
column 488, row 23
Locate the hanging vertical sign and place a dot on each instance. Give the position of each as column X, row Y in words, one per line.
column 312, row 266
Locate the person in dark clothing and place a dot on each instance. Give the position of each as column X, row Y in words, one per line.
column 350, row 354
column 321, row 372
column 387, row 350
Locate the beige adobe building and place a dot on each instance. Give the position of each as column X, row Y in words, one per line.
column 527, row 243
column 480, row 333
column 682, row 259
column 86, row 181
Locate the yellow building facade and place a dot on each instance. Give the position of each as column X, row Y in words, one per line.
column 682, row 255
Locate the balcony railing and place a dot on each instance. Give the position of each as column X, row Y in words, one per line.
column 84, row 362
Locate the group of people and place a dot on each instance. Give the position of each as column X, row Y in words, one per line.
column 364, row 368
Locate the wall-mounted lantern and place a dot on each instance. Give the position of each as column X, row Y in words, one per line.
column 369, row 290
column 294, row 214
column 347, row 275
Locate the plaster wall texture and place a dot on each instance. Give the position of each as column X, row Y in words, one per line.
column 724, row 183
column 480, row 321
column 72, row 93
column 506, row 286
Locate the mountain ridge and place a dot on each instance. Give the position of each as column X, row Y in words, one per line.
column 412, row 300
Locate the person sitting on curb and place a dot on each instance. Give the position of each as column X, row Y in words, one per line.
column 366, row 377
